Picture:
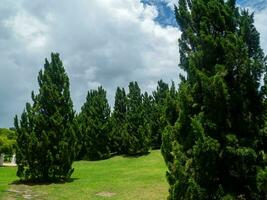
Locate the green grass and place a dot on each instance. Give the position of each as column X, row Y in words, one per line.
column 7, row 176
column 141, row 178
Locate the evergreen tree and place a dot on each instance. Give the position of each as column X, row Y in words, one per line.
column 118, row 121
column 148, row 113
column 216, row 148
column 95, row 126
column 46, row 141
column 158, row 122
column 138, row 138
column 171, row 107
column 148, row 108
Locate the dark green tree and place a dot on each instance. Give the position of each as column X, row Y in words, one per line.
column 137, row 130
column 171, row 106
column 216, row 149
column 148, row 113
column 118, row 121
column 46, row 140
column 95, row 126
column 148, row 108
column 158, row 122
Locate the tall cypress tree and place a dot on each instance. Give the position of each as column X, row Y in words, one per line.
column 216, row 148
column 138, row 137
column 95, row 126
column 46, row 139
column 118, row 121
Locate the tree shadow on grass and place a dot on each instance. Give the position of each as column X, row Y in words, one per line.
column 35, row 182
column 137, row 155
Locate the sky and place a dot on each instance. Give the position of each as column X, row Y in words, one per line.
column 108, row 43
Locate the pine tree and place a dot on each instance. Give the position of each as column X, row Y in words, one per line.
column 148, row 108
column 171, row 107
column 95, row 126
column 118, row 121
column 46, row 142
column 216, row 148
column 138, row 137
column 148, row 113
column 158, row 113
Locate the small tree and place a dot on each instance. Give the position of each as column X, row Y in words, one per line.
column 46, row 139
column 95, row 126
column 138, row 137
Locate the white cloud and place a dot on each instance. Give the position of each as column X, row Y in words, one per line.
column 108, row 42
column 101, row 42
column 29, row 30
column 261, row 25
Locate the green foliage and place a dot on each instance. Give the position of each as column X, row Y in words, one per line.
column 148, row 111
column 171, row 106
column 7, row 141
column 217, row 147
column 118, row 122
column 95, row 125
column 137, row 127
column 164, row 111
column 46, row 139
column 158, row 118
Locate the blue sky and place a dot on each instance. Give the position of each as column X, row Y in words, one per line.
column 165, row 7
column 107, row 42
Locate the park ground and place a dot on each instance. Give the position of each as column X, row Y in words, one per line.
column 118, row 178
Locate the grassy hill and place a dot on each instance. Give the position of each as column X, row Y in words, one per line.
column 118, row 178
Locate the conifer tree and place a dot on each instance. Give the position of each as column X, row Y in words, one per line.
column 95, row 126
column 46, row 142
column 171, row 107
column 118, row 121
column 216, row 148
column 148, row 113
column 138, row 137
column 148, row 108
column 158, row 122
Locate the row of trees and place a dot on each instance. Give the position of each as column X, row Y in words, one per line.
column 51, row 136
column 214, row 128
column 134, row 126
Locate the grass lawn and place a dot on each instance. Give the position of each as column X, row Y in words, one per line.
column 118, row 178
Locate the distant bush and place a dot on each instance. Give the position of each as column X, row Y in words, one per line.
column 7, row 141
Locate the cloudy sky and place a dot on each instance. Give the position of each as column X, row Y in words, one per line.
column 107, row 42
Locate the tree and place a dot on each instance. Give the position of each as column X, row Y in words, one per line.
column 46, row 139
column 95, row 126
column 171, row 107
column 7, row 141
column 118, row 121
column 158, row 121
column 216, row 148
column 137, row 130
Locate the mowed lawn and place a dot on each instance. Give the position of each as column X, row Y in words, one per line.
column 118, row 178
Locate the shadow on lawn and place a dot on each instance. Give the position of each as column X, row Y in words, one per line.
column 137, row 155
column 33, row 183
